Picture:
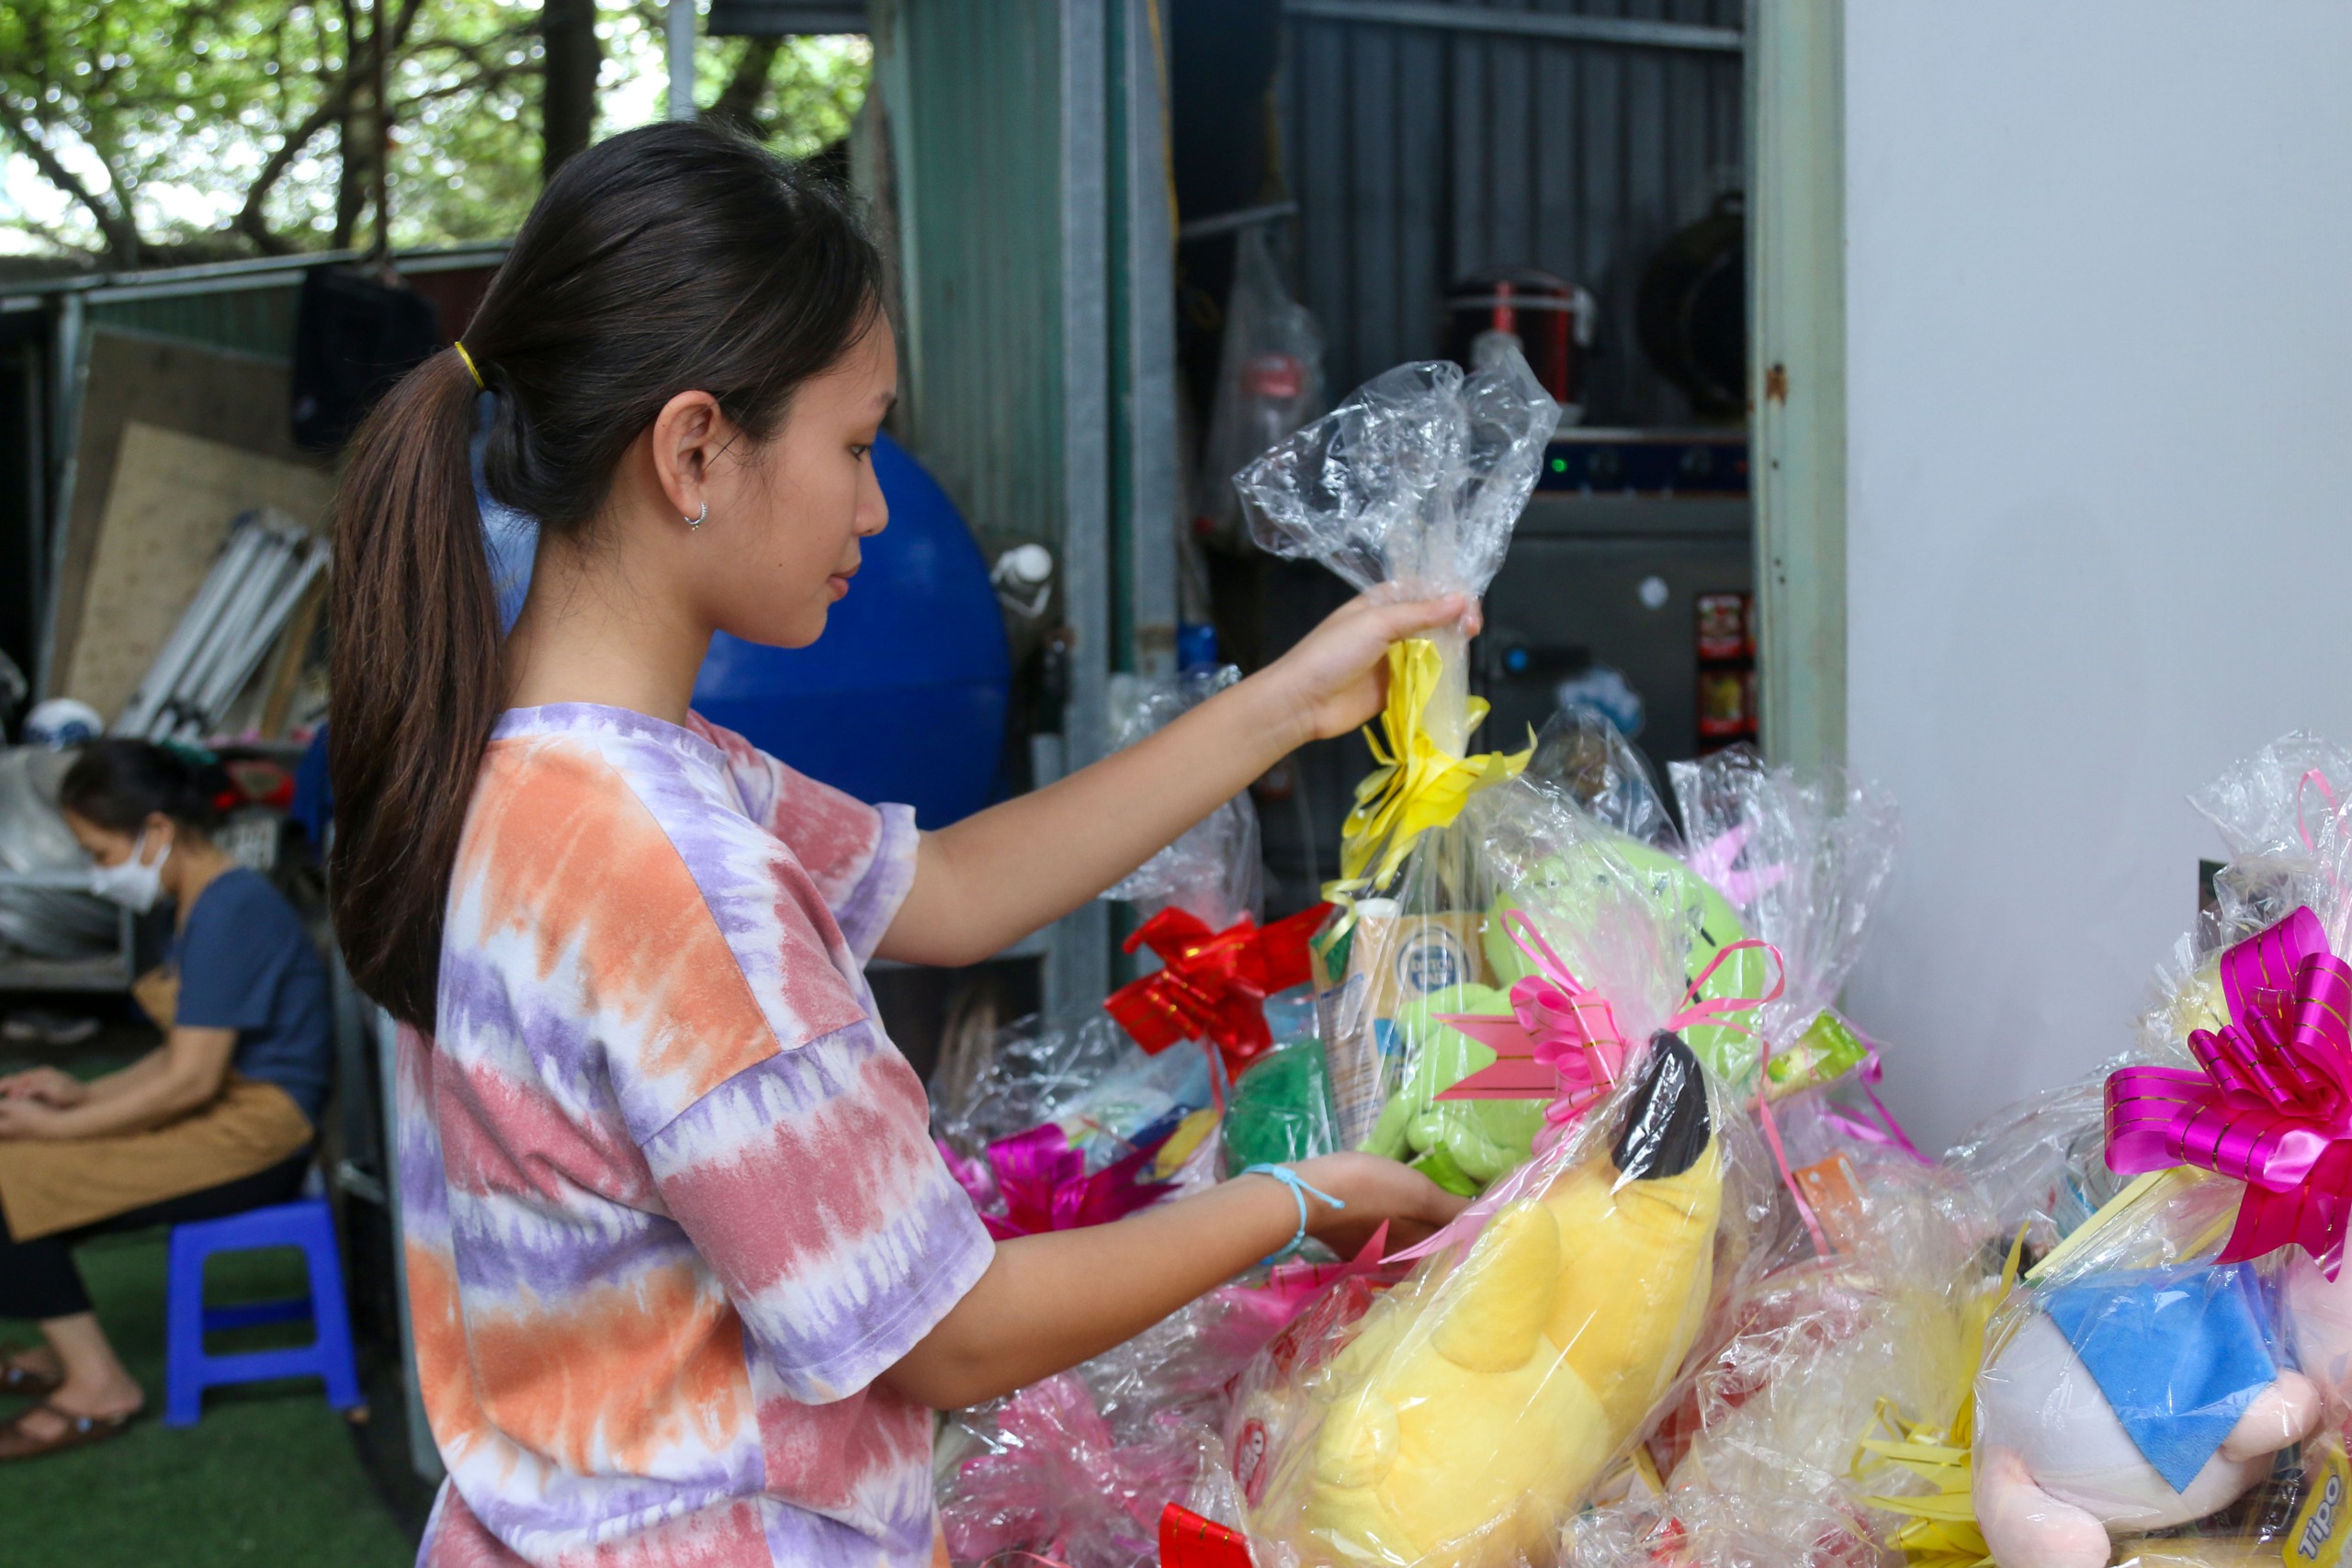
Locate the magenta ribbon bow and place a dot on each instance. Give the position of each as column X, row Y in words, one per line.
column 1042, row 1183
column 2273, row 1105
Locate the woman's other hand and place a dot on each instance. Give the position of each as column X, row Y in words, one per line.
column 21, row 1117
column 1375, row 1191
column 1335, row 678
column 46, row 1085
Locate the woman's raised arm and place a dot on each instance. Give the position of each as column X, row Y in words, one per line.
column 988, row 881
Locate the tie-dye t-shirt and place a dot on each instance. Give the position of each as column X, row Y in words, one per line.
column 670, row 1202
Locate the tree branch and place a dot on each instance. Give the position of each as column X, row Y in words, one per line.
column 250, row 220
column 738, row 102
column 122, row 233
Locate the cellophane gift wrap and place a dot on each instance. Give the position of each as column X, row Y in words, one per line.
column 1720, row 957
column 2171, row 1383
column 1214, row 980
column 1056, row 1122
column 1462, row 1415
column 1802, row 859
column 1079, row 1469
column 1410, row 489
column 1809, row 1361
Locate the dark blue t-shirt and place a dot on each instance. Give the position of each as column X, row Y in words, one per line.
column 246, row 964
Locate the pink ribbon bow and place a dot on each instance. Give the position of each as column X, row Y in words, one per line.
column 1042, row 1184
column 1561, row 1042
column 2273, row 1105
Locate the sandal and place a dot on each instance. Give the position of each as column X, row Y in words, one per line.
column 80, row 1432
column 17, row 1381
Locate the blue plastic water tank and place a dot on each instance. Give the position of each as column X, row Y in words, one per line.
column 903, row 697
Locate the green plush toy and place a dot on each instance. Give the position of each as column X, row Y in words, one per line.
column 1460, row 1144
column 1280, row 1109
column 1688, row 902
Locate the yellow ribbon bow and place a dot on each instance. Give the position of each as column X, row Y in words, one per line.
column 1416, row 786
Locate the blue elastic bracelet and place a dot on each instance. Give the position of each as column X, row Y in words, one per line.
column 1299, row 1189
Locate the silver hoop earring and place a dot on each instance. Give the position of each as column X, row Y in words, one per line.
column 695, row 521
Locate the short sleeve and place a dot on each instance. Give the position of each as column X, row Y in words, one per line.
column 810, row 1185
column 861, row 857
column 227, row 976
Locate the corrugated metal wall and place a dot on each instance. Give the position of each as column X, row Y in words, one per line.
column 976, row 122
column 1418, row 154
column 249, row 319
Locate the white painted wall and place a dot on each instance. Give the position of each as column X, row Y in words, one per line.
column 2099, row 352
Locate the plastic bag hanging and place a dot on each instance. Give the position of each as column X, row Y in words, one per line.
column 1270, row 378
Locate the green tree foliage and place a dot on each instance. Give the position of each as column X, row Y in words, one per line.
column 148, row 131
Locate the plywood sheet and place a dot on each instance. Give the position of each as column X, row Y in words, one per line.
column 238, row 399
column 167, row 512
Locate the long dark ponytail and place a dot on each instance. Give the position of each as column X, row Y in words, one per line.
column 667, row 259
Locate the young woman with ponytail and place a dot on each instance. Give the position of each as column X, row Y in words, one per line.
column 687, row 1274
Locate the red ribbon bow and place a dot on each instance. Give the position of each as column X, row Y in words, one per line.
column 2273, row 1105
column 1213, row 986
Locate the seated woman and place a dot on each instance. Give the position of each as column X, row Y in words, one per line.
column 216, row 1120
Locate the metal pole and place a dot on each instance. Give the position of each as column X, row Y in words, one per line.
column 1078, row 968
column 681, row 41
column 1796, row 312
column 1154, row 484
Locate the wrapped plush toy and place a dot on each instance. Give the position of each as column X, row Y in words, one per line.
column 1474, row 1405
column 2168, row 1359
column 1801, row 860
column 1461, row 1417
column 1411, row 486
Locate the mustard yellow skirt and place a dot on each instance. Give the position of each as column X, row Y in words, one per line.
column 47, row 1186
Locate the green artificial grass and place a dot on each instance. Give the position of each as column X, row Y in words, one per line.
column 269, row 1475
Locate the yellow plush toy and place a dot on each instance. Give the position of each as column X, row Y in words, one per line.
column 1475, row 1408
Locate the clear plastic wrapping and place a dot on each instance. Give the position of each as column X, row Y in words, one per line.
column 2172, row 1383
column 1814, row 1357
column 1043, row 1472
column 1410, row 488
column 2135, row 1388
column 1465, row 1415
column 1051, row 1128
column 1214, row 870
column 1078, row 1467
column 1802, row 859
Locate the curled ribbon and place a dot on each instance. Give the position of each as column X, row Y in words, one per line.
column 1415, row 785
column 1213, row 986
column 2273, row 1105
column 1888, row 1133
column 1043, row 1185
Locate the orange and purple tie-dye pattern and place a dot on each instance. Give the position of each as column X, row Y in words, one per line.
column 668, row 1198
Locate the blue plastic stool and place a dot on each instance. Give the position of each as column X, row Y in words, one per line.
column 306, row 1223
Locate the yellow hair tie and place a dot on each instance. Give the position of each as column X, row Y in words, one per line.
column 468, row 358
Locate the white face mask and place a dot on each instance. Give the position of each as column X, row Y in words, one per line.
column 135, row 885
